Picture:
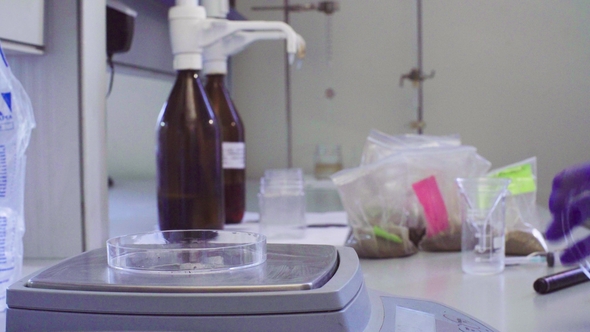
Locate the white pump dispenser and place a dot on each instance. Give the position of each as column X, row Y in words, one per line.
column 215, row 56
column 191, row 32
column 216, row 8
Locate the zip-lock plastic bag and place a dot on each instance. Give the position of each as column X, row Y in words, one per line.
column 522, row 219
column 431, row 176
column 380, row 145
column 407, row 199
column 16, row 124
column 374, row 197
column 433, row 163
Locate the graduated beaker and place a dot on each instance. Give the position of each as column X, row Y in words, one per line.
column 483, row 215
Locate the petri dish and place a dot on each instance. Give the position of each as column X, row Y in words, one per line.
column 572, row 236
column 186, row 251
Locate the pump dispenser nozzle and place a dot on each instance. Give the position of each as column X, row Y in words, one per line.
column 191, row 32
column 215, row 56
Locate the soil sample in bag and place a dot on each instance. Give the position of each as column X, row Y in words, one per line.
column 443, row 241
column 522, row 243
column 387, row 242
column 447, row 240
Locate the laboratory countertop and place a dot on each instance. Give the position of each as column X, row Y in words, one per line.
column 506, row 301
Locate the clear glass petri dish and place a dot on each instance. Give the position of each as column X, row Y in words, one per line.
column 186, row 251
column 574, row 234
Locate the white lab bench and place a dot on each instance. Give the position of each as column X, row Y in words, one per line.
column 505, row 301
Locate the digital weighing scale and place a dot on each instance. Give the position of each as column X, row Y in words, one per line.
column 156, row 282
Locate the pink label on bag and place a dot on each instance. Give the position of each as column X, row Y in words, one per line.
column 435, row 211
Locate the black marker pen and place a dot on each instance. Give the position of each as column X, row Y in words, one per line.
column 560, row 280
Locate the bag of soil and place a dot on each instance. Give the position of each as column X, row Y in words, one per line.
column 522, row 219
column 375, row 200
column 431, row 175
column 407, row 199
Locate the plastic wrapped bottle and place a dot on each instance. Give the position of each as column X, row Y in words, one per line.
column 233, row 148
column 189, row 173
column 16, row 124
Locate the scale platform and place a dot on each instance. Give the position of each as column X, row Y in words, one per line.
column 296, row 288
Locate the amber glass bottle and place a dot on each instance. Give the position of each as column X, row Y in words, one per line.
column 233, row 148
column 188, row 156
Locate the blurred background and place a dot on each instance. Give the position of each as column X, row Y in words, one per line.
column 512, row 78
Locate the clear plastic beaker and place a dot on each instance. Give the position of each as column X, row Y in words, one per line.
column 483, row 215
column 281, row 203
column 282, row 216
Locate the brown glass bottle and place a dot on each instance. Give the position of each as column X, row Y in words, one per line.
column 188, row 156
column 233, row 148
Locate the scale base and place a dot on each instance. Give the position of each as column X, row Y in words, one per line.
column 105, row 301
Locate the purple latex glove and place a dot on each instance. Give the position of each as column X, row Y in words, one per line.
column 570, row 198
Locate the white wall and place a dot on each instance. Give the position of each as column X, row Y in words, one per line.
column 372, row 44
column 150, row 47
column 132, row 111
column 511, row 79
column 138, row 93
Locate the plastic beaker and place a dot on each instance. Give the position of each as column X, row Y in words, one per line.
column 483, row 215
column 281, row 203
column 282, row 215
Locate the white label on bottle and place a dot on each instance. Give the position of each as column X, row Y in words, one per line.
column 233, row 155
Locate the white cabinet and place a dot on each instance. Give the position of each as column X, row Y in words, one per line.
column 21, row 25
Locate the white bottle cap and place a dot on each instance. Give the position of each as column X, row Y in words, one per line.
column 215, row 67
column 188, row 61
column 182, row 18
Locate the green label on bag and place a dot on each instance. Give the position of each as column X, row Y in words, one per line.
column 522, row 179
column 380, row 232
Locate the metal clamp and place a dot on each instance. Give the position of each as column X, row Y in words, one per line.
column 328, row 7
column 416, row 76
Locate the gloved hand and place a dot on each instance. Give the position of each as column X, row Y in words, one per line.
column 570, row 198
